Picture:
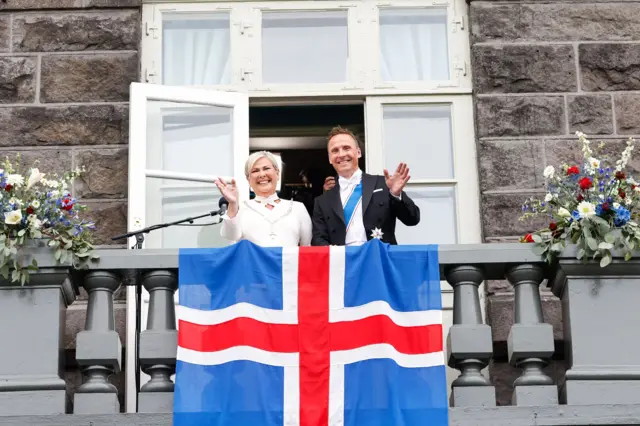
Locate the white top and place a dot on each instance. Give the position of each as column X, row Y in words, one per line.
column 287, row 224
column 356, row 234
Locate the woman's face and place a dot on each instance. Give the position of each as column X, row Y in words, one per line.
column 263, row 177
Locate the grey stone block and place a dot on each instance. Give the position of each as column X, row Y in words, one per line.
column 555, row 21
column 155, row 402
column 73, row 125
column 44, row 402
column 500, row 213
column 497, row 158
column 503, row 376
column 110, row 219
column 101, row 348
column 627, row 108
column 473, row 396
column 592, row 392
column 96, row 403
column 504, row 116
column 88, row 78
column 591, row 114
column 609, row 66
column 76, row 31
column 17, row 79
column 535, row 396
column 524, row 68
column 5, row 33
column 106, row 173
column 158, row 346
column 530, row 341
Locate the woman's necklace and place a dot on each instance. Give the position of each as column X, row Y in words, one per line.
column 263, row 212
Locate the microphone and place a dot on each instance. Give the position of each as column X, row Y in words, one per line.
column 223, row 204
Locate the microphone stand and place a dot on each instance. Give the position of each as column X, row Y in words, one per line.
column 139, row 235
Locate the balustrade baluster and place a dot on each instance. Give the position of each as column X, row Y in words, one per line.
column 530, row 341
column 98, row 348
column 469, row 344
column 159, row 343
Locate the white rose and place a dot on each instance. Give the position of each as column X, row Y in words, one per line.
column 562, row 212
column 548, row 172
column 548, row 197
column 15, row 180
column 35, row 177
column 13, row 217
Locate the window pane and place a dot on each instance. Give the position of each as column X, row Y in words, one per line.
column 421, row 136
column 186, row 138
column 437, row 217
column 304, row 47
column 413, row 45
column 196, row 49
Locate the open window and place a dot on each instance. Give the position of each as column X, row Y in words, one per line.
column 180, row 139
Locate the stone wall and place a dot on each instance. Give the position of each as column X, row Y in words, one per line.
column 541, row 71
column 65, row 69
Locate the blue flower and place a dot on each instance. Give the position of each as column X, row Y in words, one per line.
column 575, row 215
column 622, row 216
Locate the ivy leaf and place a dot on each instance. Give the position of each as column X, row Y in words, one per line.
column 592, row 243
column 606, row 260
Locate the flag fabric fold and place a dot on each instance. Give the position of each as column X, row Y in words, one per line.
column 310, row 336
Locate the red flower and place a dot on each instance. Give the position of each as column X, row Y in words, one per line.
column 67, row 204
column 633, row 186
column 29, row 210
column 605, row 206
column 620, row 176
column 621, row 193
column 580, row 197
column 585, row 183
column 573, row 170
column 553, row 226
column 8, row 187
column 528, row 238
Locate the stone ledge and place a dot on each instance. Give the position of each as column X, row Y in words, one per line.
column 65, row 4
column 559, row 415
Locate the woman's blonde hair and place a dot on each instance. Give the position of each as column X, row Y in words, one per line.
column 253, row 158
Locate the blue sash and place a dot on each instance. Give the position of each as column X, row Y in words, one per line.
column 352, row 203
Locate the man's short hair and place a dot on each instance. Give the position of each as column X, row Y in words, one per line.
column 339, row 130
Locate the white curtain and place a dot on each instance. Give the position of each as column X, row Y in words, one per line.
column 196, row 51
column 413, row 45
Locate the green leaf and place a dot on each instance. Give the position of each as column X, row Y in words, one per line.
column 580, row 254
column 605, row 246
column 606, row 259
column 610, row 238
column 627, row 256
column 23, row 278
column 557, row 247
column 592, row 243
column 539, row 250
column 57, row 254
column 536, row 238
column 21, row 232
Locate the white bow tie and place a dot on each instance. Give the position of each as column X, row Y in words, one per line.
column 271, row 199
column 353, row 180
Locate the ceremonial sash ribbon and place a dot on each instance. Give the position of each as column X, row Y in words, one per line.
column 352, row 203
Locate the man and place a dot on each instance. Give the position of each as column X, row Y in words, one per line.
column 361, row 206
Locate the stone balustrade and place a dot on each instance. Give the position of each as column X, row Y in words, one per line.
column 598, row 306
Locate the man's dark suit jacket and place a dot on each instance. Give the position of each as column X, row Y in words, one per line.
column 380, row 210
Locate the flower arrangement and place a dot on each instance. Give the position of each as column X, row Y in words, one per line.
column 594, row 205
column 38, row 208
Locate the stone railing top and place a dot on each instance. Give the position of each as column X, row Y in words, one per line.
column 492, row 258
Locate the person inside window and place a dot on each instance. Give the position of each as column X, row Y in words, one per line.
column 266, row 220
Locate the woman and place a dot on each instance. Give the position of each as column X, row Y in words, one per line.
column 266, row 220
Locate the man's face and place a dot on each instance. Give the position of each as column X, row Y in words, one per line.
column 344, row 154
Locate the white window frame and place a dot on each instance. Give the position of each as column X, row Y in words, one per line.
column 246, row 52
column 465, row 169
column 140, row 95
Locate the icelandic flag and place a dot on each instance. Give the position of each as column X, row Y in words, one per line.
column 310, row 336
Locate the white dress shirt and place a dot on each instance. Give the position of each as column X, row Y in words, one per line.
column 356, row 234
column 287, row 224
